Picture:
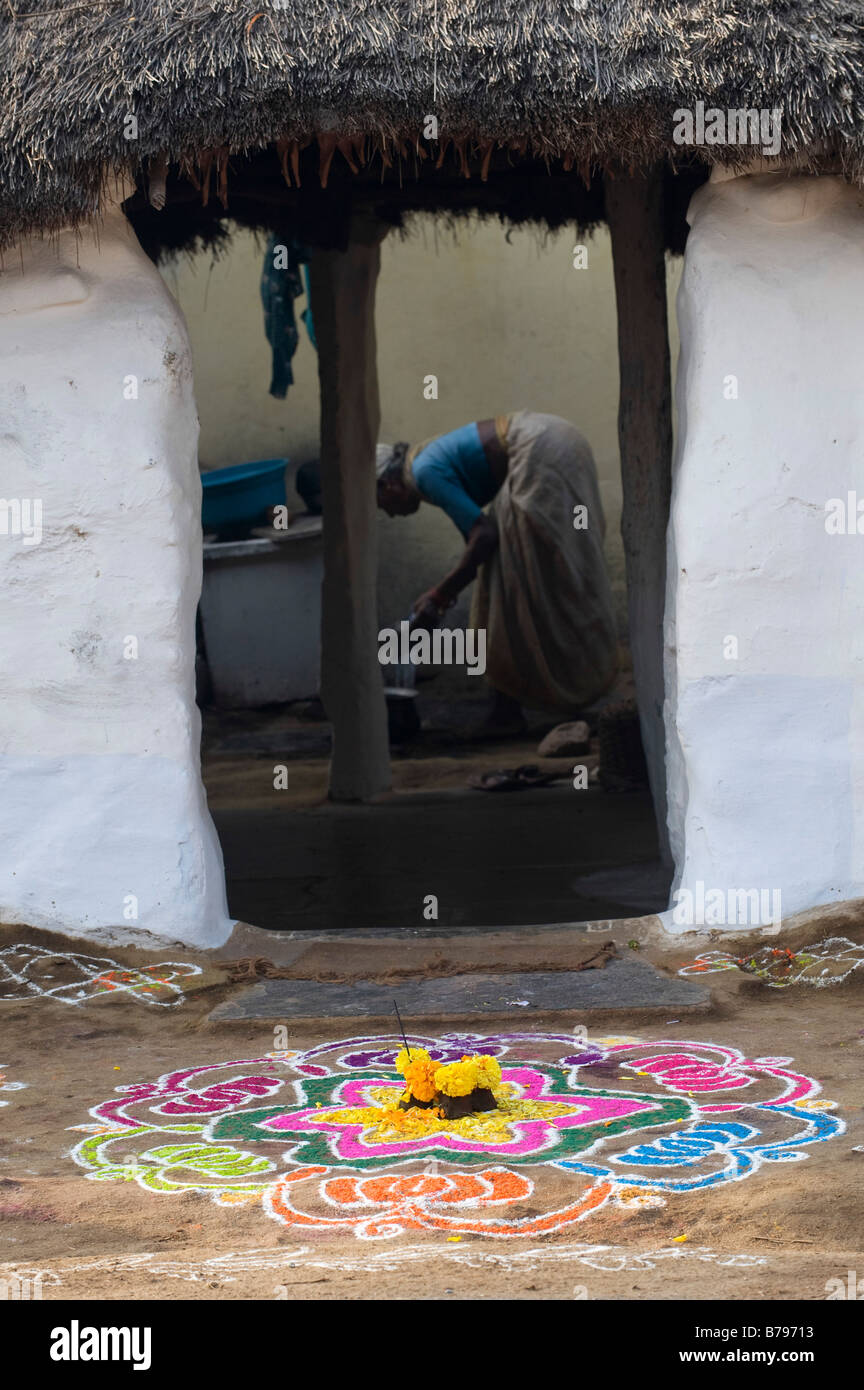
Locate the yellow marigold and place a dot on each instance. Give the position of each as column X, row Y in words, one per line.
column 488, row 1072
column 457, row 1078
column 404, row 1060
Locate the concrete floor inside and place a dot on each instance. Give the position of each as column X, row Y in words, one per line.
column 511, row 859
column 295, row 861
column 491, row 860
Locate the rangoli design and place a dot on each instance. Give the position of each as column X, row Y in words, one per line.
column 610, row 1259
column 10, row 1085
column 828, row 962
column 34, row 972
column 314, row 1139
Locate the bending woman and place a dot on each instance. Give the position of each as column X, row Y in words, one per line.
column 542, row 591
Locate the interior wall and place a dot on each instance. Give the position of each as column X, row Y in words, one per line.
column 503, row 320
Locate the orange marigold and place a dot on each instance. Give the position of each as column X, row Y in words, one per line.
column 419, row 1078
column 418, row 1070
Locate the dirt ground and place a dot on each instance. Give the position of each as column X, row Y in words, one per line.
column 779, row 1233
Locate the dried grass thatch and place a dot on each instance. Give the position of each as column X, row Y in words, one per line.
column 593, row 83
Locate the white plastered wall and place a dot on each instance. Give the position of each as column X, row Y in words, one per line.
column 765, row 751
column 103, row 817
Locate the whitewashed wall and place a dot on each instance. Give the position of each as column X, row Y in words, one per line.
column 103, row 819
column 764, row 633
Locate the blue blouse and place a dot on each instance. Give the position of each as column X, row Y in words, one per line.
column 453, row 473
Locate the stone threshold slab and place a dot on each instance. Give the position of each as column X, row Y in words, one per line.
column 623, row 984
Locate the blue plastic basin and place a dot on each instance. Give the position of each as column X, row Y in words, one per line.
column 240, row 495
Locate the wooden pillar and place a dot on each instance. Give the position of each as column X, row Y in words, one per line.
column 352, row 690
column 634, row 209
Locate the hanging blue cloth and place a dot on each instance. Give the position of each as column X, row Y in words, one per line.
column 306, row 315
column 282, row 281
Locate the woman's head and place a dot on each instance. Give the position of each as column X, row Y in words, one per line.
column 395, row 494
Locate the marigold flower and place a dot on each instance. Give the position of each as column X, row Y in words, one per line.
column 458, row 1078
column 404, row 1058
column 418, row 1071
column 488, row 1072
column 419, row 1078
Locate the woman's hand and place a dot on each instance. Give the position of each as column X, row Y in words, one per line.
column 427, row 610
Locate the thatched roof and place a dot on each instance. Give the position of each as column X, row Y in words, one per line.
column 592, row 83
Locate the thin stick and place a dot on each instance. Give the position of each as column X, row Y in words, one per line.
column 402, row 1030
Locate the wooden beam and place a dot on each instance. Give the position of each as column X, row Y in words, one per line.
column 352, row 690
column 634, row 208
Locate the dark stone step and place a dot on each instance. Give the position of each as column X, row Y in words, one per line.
column 622, row 985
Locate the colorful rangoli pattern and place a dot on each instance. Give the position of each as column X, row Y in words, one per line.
column 10, row 1085
column 827, row 962
column 307, row 1135
column 33, row 972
